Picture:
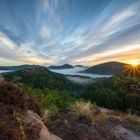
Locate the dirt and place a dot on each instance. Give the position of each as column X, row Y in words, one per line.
column 73, row 128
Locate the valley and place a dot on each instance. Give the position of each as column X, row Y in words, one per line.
column 69, row 69
column 69, row 105
column 79, row 71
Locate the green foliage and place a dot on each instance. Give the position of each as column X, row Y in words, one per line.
column 115, row 93
column 61, row 100
column 53, row 111
column 51, row 100
column 49, row 88
column 43, row 79
column 39, row 79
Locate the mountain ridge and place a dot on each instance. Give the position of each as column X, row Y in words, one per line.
column 23, row 67
column 65, row 66
column 110, row 68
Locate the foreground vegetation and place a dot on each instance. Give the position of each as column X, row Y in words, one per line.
column 51, row 101
column 55, row 92
column 59, row 111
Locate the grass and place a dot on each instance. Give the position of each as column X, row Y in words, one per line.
column 84, row 109
column 132, row 120
column 89, row 111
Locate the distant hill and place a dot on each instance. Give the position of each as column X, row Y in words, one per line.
column 78, row 66
column 65, row 66
column 107, row 68
column 39, row 79
column 23, row 67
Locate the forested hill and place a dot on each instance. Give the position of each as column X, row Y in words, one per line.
column 65, row 66
column 41, row 79
column 118, row 92
column 23, row 67
column 107, row 68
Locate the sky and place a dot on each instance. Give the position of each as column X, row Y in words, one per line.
column 54, row 32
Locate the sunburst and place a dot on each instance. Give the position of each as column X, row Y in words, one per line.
column 133, row 68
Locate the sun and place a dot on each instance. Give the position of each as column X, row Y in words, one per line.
column 134, row 62
column 133, row 67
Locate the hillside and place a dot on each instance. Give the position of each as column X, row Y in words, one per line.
column 70, row 117
column 65, row 66
column 23, row 67
column 119, row 92
column 107, row 68
column 40, row 79
column 25, row 116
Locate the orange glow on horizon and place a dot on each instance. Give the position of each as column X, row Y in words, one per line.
column 134, row 62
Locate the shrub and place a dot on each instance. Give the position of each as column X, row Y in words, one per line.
column 84, row 109
column 52, row 101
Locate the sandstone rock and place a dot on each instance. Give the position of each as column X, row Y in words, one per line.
column 19, row 119
column 31, row 118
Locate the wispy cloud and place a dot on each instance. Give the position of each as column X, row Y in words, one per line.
column 25, row 53
column 45, row 32
column 51, row 7
column 69, row 31
column 104, row 40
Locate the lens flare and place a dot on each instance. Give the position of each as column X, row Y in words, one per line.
column 133, row 68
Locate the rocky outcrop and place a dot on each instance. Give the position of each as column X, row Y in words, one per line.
column 33, row 123
column 106, row 126
column 19, row 116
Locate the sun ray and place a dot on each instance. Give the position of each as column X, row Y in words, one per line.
column 133, row 68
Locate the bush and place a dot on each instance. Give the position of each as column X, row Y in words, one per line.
column 52, row 101
column 83, row 109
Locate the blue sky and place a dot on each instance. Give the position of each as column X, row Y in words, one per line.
column 84, row 32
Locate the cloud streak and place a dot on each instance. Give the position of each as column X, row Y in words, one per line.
column 24, row 53
column 70, row 31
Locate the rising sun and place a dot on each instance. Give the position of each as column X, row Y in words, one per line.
column 134, row 62
column 133, row 68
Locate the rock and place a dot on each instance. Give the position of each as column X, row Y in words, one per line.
column 32, row 119
column 19, row 116
column 124, row 134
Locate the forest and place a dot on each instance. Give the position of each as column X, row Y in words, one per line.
column 120, row 92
